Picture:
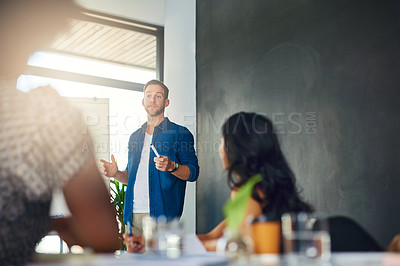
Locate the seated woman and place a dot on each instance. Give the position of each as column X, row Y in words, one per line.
column 250, row 146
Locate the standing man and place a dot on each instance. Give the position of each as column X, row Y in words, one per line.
column 156, row 185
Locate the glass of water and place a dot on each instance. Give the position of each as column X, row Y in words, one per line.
column 306, row 238
column 149, row 230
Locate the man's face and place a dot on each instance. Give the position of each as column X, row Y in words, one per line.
column 154, row 101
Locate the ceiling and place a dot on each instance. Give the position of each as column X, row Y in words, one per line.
column 108, row 43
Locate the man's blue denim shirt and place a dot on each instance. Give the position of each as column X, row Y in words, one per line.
column 166, row 191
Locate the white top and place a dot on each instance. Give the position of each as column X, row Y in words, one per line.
column 141, row 188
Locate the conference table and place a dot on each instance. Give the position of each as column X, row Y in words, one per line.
column 212, row 259
column 194, row 254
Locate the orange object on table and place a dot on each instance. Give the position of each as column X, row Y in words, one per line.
column 266, row 237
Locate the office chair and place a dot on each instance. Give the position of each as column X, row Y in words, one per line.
column 348, row 236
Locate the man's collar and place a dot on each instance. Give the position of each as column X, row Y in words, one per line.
column 162, row 125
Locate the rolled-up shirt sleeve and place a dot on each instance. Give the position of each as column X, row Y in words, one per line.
column 187, row 154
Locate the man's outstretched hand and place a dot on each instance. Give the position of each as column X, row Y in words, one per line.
column 110, row 169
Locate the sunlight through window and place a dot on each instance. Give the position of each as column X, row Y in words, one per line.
column 90, row 67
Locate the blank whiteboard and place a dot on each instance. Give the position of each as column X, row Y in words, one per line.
column 95, row 114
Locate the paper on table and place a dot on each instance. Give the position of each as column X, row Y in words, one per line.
column 192, row 245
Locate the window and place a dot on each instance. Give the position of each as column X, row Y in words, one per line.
column 126, row 51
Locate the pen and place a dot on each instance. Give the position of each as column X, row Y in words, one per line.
column 154, row 149
column 128, row 224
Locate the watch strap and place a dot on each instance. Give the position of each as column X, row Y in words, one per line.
column 176, row 165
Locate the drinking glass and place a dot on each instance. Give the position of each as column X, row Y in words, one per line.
column 149, row 231
column 306, row 238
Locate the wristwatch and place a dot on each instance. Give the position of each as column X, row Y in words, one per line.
column 176, row 165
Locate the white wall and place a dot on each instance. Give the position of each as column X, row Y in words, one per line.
column 150, row 11
column 178, row 18
column 180, row 77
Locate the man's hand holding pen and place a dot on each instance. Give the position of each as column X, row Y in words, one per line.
column 163, row 163
column 134, row 243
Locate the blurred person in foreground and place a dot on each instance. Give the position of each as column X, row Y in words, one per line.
column 250, row 146
column 42, row 147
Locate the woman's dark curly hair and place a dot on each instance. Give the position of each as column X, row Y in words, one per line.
column 252, row 147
